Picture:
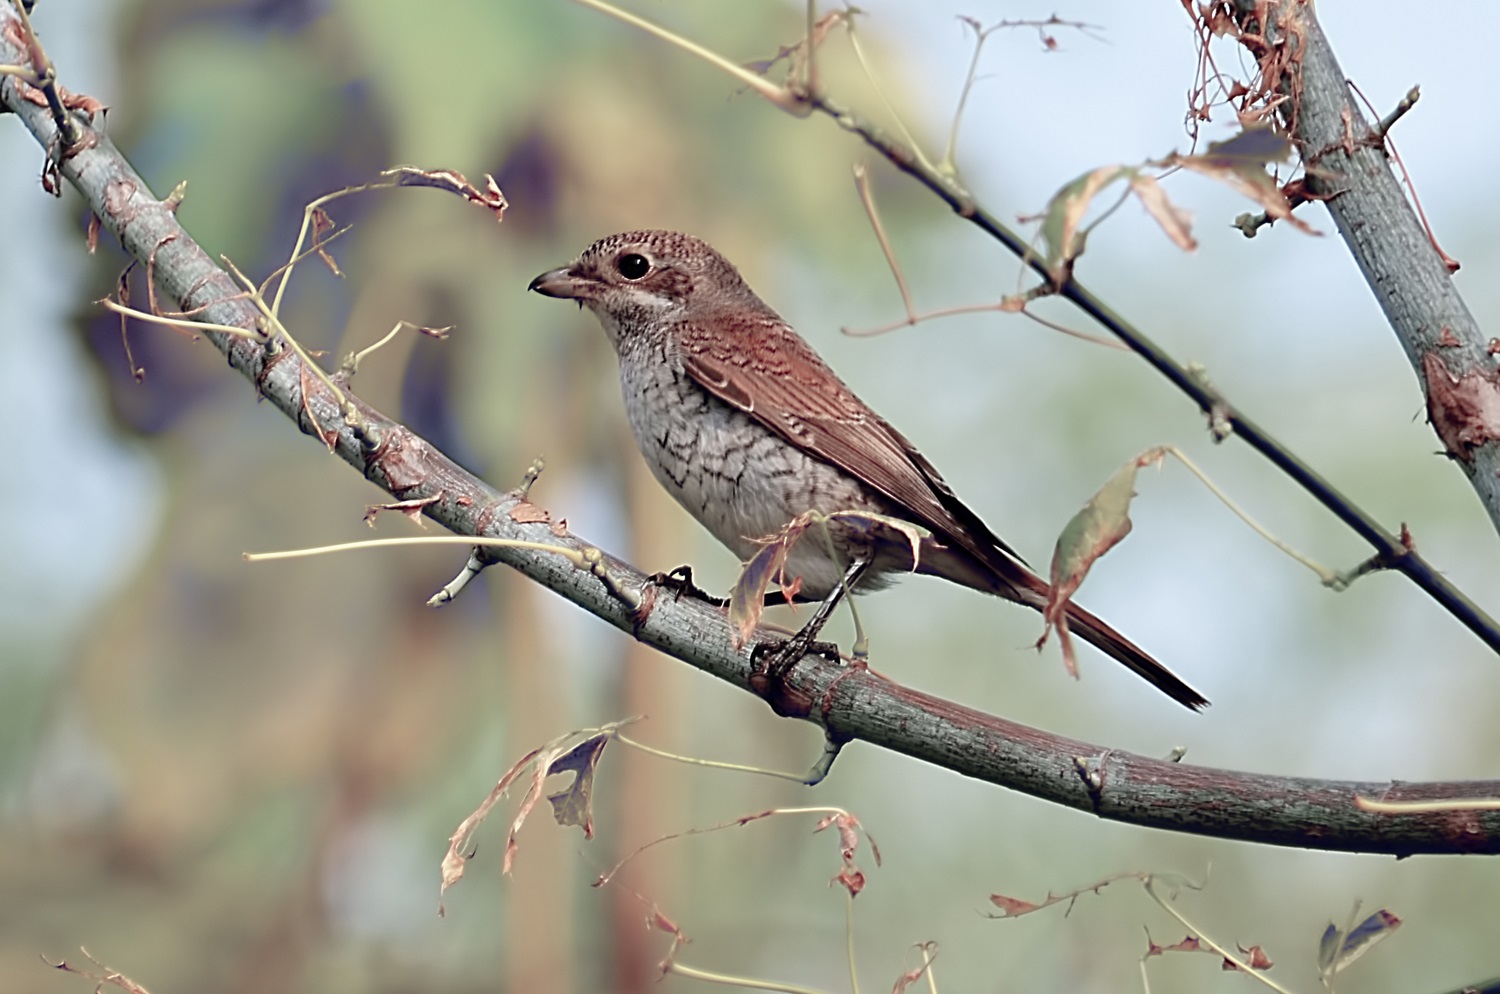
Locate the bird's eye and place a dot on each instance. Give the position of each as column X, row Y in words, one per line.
column 633, row 266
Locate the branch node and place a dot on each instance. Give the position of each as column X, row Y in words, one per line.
column 530, row 476
column 1407, row 103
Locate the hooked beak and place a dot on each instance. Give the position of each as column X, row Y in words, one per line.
column 563, row 283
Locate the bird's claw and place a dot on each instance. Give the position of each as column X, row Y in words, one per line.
column 680, row 581
column 773, row 659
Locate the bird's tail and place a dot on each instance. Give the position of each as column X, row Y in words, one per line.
column 1013, row 581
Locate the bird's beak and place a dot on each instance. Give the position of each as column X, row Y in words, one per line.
column 565, row 283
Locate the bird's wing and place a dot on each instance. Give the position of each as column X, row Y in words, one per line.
column 774, row 376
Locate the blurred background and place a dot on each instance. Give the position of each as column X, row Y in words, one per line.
column 224, row 777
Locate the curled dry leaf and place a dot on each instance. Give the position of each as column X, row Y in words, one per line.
column 1012, row 907
column 850, row 876
column 571, row 805
column 1189, row 944
column 747, row 600
column 1240, row 164
column 1176, row 222
column 1102, row 523
column 460, row 851
column 322, row 224
column 1337, row 950
column 928, row 950
column 453, row 182
column 1063, row 234
column 851, row 879
column 411, row 508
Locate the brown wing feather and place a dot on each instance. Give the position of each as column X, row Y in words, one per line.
column 777, row 378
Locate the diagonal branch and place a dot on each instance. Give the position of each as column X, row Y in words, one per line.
column 1348, row 168
column 1391, row 552
column 848, row 703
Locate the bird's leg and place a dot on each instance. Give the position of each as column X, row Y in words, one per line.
column 780, row 656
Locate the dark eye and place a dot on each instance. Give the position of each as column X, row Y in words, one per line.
column 632, row 265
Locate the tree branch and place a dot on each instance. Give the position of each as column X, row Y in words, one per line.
column 1347, row 167
column 1391, row 552
column 849, row 703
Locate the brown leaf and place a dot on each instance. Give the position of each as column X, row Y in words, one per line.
column 747, row 600
column 852, row 879
column 322, row 224
column 1102, row 523
column 570, row 806
column 93, row 235
column 1175, row 221
column 1189, row 944
column 453, row 182
column 459, row 849
column 1012, row 907
column 929, row 953
column 1062, row 231
column 411, row 508
column 1240, row 163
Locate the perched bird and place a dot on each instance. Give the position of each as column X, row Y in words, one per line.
column 747, row 427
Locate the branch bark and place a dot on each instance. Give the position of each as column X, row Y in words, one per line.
column 1347, row 167
column 847, row 703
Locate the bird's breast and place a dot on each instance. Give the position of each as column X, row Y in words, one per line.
column 738, row 478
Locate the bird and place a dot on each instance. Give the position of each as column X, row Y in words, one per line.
column 746, row 426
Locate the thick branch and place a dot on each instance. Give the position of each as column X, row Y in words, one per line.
column 848, row 703
column 1346, row 166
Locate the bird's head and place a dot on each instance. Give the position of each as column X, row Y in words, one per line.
column 642, row 279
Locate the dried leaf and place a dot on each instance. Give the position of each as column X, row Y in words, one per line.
column 1175, row 221
column 1240, row 163
column 1336, row 950
column 322, row 224
column 747, row 600
column 570, row 806
column 1012, row 907
column 1062, row 224
column 1189, row 944
column 411, row 508
column 1102, row 523
column 453, row 182
column 852, row 879
column 748, row 597
column 459, row 849
column 929, row 953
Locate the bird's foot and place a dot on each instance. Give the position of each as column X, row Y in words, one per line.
column 773, row 659
column 680, row 581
